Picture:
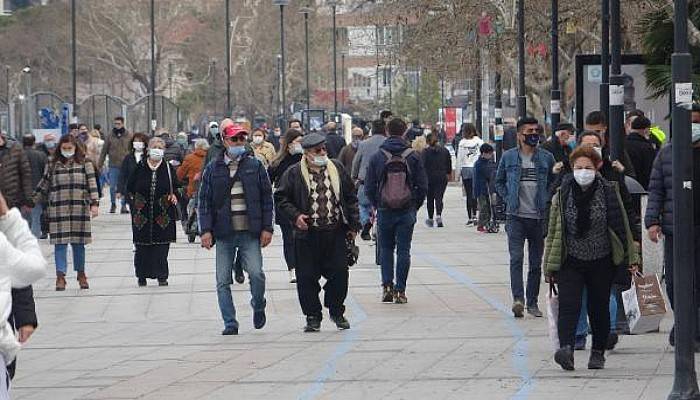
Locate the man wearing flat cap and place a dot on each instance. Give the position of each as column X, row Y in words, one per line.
column 318, row 196
column 235, row 212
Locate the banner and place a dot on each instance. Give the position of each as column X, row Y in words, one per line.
column 453, row 121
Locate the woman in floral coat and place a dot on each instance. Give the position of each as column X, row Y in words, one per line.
column 152, row 190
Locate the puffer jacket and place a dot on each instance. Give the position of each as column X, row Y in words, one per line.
column 15, row 175
column 660, row 204
column 21, row 263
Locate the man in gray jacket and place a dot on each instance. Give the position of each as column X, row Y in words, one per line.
column 367, row 149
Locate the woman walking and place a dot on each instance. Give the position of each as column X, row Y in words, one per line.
column 589, row 240
column 152, row 189
column 130, row 162
column 438, row 164
column 69, row 187
column 264, row 150
column 290, row 154
column 467, row 155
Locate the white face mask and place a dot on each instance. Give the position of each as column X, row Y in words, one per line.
column 296, row 149
column 320, row 161
column 584, row 177
column 138, row 146
column 68, row 154
column 156, row 154
column 257, row 139
column 696, row 133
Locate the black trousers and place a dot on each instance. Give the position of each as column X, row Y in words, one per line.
column 436, row 193
column 321, row 254
column 596, row 276
column 471, row 201
column 288, row 245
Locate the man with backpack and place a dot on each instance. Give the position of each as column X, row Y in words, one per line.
column 396, row 184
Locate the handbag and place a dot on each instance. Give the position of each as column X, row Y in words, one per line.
column 178, row 211
column 553, row 315
column 352, row 252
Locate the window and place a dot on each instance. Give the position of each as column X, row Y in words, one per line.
column 386, row 76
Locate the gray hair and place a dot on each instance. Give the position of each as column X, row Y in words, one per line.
column 154, row 141
column 201, row 144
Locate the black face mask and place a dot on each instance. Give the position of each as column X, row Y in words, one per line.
column 532, row 140
column 119, row 131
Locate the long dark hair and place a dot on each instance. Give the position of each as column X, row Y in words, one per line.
column 79, row 156
column 468, row 130
column 290, row 136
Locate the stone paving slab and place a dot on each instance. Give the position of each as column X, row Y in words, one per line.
column 455, row 339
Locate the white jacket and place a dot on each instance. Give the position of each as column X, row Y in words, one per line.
column 468, row 152
column 21, row 264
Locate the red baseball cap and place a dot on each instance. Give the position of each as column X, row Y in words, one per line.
column 235, row 131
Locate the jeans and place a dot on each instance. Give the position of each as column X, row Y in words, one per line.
column 395, row 232
column 484, row 210
column 582, row 327
column 436, row 193
column 518, row 230
column 33, row 219
column 365, row 206
column 250, row 253
column 113, row 185
column 61, row 257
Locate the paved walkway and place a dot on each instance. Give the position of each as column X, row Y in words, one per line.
column 455, row 339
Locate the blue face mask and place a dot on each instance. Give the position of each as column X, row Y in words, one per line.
column 236, row 151
column 532, row 140
column 50, row 145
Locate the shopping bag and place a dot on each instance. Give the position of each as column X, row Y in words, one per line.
column 553, row 315
column 644, row 304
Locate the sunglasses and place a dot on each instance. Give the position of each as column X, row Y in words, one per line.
column 237, row 139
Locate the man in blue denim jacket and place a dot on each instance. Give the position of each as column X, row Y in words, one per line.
column 522, row 180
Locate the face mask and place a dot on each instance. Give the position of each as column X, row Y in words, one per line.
column 68, row 154
column 696, row 133
column 156, row 154
column 599, row 150
column 50, row 145
column 278, row 133
column 182, row 142
column 532, row 140
column 584, row 177
column 296, row 149
column 355, row 143
column 235, row 151
column 214, row 130
column 138, row 146
column 257, row 139
column 320, row 161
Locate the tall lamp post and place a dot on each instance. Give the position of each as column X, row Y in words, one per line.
column 74, row 61
column 306, row 11
column 27, row 106
column 281, row 4
column 334, row 5
column 522, row 100
column 685, row 385
column 154, row 122
column 228, row 111
column 616, row 89
column 555, row 104
column 605, row 56
column 7, row 98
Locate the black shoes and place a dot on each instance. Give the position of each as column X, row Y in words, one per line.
column 341, row 322
column 597, row 360
column 365, row 235
column 162, row 282
column 565, row 358
column 113, row 209
column 613, row 339
column 230, row 331
column 438, row 221
column 534, row 311
column 388, row 294
column 124, row 210
column 259, row 319
column 240, row 278
column 142, row 282
column 313, row 324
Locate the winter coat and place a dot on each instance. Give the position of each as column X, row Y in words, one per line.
column 376, row 172
column 193, row 165
column 153, row 217
column 70, row 190
column 116, row 146
column 15, row 175
column 22, row 264
column 293, row 195
column 334, row 143
column 93, row 149
column 214, row 205
column 277, row 170
column 618, row 229
column 173, row 152
column 37, row 161
column 484, row 171
column 660, row 202
column 347, row 154
column 265, row 152
column 216, row 151
column 508, row 179
column 437, row 162
column 641, row 153
column 129, row 165
column 559, row 152
column 367, row 149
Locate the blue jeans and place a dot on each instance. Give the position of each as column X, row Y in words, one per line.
column 365, row 206
column 519, row 230
column 35, row 222
column 395, row 232
column 582, row 327
column 250, row 253
column 114, row 184
column 61, row 257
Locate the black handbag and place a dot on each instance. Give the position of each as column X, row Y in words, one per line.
column 178, row 211
column 352, row 252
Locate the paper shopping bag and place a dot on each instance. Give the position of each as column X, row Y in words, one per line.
column 644, row 304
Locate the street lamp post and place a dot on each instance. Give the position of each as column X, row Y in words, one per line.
column 498, row 113
column 281, row 4
column 228, row 59
column 555, row 104
column 27, row 106
column 418, row 93
column 616, row 88
column 74, row 61
column 306, row 11
column 334, row 5
column 685, row 385
column 605, row 56
column 342, row 82
column 154, row 122
column 522, row 100
column 7, row 98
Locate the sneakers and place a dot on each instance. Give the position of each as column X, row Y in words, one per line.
column 231, row 331
column 313, row 324
column 469, row 222
column 613, row 339
column 580, row 343
column 438, row 220
column 60, row 282
column 597, row 360
column 292, row 276
column 429, row 223
column 388, row 294
column 365, row 234
column 534, row 311
column 400, row 297
column 259, row 319
column 565, row 358
column 82, row 281
column 481, row 229
column 518, row 309
column 341, row 322
column 113, row 209
column 162, row 282
column 142, row 282
column 124, row 210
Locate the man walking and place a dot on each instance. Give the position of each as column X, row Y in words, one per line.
column 37, row 162
column 235, row 212
column 117, row 146
column 522, row 180
column 396, row 185
column 318, row 195
column 365, row 151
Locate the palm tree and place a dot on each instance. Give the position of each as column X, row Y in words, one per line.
column 656, row 30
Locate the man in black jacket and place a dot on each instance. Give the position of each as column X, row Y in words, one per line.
column 641, row 149
column 559, row 144
column 318, row 195
column 334, row 141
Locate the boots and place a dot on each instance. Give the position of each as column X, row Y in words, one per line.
column 60, row 281
column 565, row 358
column 365, row 234
column 82, row 280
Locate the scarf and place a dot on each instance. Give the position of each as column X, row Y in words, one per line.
column 119, row 132
column 332, row 174
column 582, row 200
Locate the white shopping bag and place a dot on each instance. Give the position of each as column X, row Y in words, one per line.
column 553, row 315
column 644, row 304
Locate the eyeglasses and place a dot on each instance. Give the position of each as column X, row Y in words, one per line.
column 237, row 139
